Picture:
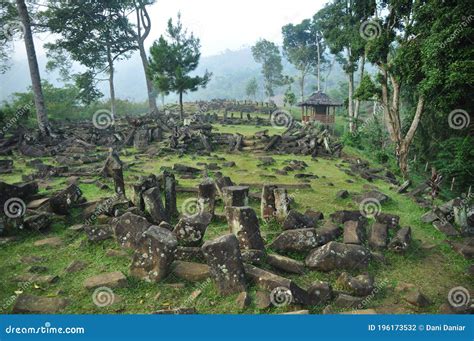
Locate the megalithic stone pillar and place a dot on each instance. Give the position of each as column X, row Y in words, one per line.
column 460, row 214
column 207, row 196
column 154, row 205
column 169, row 184
column 154, row 254
column 225, row 262
column 235, row 196
column 141, row 186
column 267, row 205
column 282, row 203
column 222, row 182
column 114, row 168
column 243, row 223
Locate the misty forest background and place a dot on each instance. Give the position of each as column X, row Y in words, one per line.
column 448, row 63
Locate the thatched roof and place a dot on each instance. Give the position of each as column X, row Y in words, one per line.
column 319, row 98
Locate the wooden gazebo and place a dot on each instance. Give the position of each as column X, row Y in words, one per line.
column 319, row 107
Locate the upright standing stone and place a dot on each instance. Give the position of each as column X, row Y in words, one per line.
column 378, row 236
column 141, row 186
column 401, row 241
column 129, row 229
column 142, row 138
column 235, row 196
column 222, row 182
column 114, row 168
column 190, row 230
column 62, row 201
column 225, row 262
column 267, row 205
column 282, row 203
column 243, row 223
column 460, row 214
column 354, row 232
column 170, row 194
column 154, row 205
column 207, row 196
column 154, row 254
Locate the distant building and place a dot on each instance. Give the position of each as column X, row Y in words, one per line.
column 319, row 107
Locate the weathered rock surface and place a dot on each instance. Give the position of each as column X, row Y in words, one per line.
column 378, row 236
column 302, row 240
column 129, row 228
column 190, row 230
column 225, row 262
column 111, row 280
column 361, row 285
column 154, row 255
column 97, row 233
column 286, row 264
column 189, row 271
column 401, row 241
column 243, row 223
column 297, row 220
column 354, row 232
column 269, row 281
column 336, row 255
column 30, row 304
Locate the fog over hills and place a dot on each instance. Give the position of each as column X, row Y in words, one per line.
column 231, row 72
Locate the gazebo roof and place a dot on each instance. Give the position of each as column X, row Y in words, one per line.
column 319, row 98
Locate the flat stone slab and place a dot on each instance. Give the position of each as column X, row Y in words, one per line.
column 111, row 280
column 30, row 304
column 446, row 227
column 53, row 241
column 35, row 278
column 76, row 266
column 189, row 271
column 285, row 264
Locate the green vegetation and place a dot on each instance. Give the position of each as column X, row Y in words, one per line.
column 429, row 264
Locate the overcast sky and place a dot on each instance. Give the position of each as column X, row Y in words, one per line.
column 220, row 24
column 227, row 24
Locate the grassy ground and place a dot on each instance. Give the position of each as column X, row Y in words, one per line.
column 429, row 264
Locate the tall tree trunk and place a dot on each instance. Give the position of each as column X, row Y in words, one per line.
column 111, row 83
column 144, row 20
column 181, row 110
column 351, row 102
column 404, row 147
column 357, row 102
column 319, row 64
column 41, row 115
column 302, row 85
column 149, row 84
column 302, row 91
column 392, row 118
